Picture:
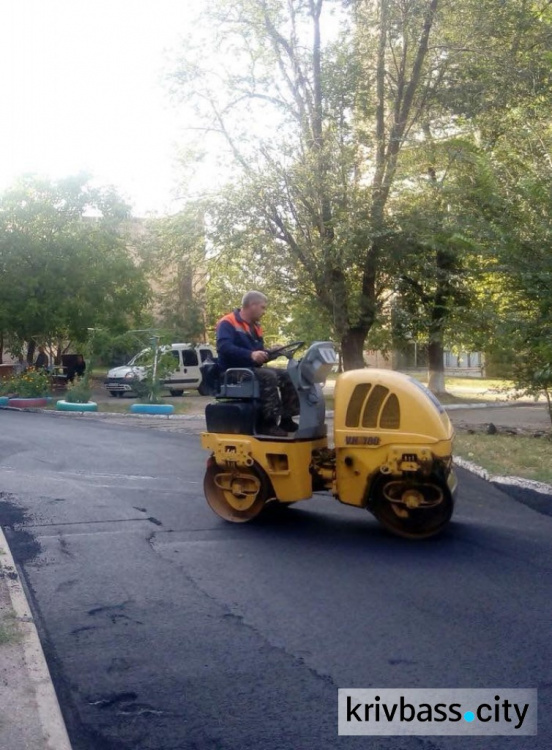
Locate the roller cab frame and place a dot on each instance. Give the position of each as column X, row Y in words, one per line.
column 391, row 451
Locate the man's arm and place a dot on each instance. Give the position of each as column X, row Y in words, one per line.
column 238, row 355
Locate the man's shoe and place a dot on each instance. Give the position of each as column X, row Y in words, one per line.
column 273, row 430
column 289, row 425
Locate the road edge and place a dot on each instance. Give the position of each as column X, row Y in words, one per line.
column 504, row 482
column 50, row 717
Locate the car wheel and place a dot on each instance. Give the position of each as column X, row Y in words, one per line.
column 114, row 393
column 176, row 393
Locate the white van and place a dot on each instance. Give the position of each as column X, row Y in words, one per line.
column 186, row 375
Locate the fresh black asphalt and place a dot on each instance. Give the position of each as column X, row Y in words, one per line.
column 167, row 629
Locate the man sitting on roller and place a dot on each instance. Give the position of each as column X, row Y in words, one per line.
column 240, row 344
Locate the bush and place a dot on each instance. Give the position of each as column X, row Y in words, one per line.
column 30, row 384
column 79, row 392
column 150, row 389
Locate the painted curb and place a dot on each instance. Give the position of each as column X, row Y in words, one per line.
column 27, row 403
column 54, row 732
column 105, row 414
column 4, row 401
column 62, row 405
column 152, row 409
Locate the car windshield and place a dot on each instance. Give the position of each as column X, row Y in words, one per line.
column 139, row 359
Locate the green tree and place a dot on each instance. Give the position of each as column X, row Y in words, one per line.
column 329, row 132
column 524, row 263
column 64, row 262
column 316, row 179
column 174, row 248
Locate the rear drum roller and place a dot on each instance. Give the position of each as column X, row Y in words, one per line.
column 237, row 496
column 411, row 508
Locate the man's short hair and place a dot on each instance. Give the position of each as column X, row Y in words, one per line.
column 249, row 298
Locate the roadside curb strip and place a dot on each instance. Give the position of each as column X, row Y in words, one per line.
column 452, row 407
column 54, row 732
column 492, row 405
column 536, row 495
column 104, row 414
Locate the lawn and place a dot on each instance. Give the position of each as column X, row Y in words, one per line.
column 182, row 405
column 472, row 389
column 508, row 455
column 122, row 405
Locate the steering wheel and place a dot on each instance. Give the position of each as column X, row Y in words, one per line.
column 288, row 350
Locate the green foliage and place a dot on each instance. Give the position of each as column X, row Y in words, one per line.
column 532, row 369
column 79, row 392
column 174, row 250
column 158, row 365
column 114, row 349
column 64, row 263
column 524, row 258
column 392, row 180
column 293, row 312
column 29, row 384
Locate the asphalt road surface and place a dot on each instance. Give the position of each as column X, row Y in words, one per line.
column 166, row 628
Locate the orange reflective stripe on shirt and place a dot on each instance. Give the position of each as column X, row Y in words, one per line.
column 240, row 325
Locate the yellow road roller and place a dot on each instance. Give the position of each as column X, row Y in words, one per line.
column 391, row 451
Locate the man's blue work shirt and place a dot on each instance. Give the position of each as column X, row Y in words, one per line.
column 236, row 339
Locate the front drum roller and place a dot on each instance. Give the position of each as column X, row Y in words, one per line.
column 411, row 508
column 236, row 495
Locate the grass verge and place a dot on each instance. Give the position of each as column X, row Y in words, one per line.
column 122, row 406
column 508, row 455
column 9, row 631
column 182, row 405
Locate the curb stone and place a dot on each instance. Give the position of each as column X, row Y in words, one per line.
column 103, row 414
column 452, row 407
column 536, row 495
column 52, row 726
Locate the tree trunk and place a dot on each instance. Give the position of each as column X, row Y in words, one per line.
column 439, row 315
column 352, row 348
column 548, row 403
column 31, row 348
column 1, row 348
column 436, row 366
column 59, row 351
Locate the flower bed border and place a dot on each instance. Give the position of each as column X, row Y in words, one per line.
column 28, row 402
column 62, row 405
column 152, row 409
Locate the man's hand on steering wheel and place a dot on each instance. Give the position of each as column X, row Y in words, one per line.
column 260, row 357
column 288, row 350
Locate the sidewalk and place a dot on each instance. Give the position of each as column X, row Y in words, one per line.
column 30, row 717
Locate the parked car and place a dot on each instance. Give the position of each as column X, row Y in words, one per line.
column 187, row 374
